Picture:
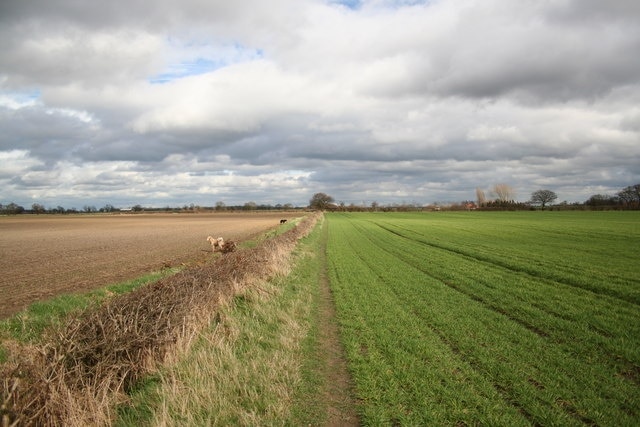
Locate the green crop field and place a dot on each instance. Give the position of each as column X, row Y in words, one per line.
column 505, row 318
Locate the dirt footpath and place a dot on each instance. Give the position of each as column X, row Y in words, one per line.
column 47, row 255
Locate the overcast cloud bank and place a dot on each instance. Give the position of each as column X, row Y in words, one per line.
column 381, row 100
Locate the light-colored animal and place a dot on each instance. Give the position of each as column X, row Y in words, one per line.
column 216, row 243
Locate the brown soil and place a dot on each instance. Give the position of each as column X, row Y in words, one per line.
column 338, row 393
column 43, row 256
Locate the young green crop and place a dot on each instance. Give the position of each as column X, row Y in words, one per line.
column 490, row 319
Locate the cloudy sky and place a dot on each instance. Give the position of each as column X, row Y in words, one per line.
column 170, row 102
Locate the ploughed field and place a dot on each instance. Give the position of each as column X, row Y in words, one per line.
column 43, row 256
column 478, row 318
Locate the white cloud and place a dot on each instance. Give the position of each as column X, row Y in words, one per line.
column 16, row 162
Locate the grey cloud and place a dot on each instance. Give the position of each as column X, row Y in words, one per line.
column 48, row 134
column 579, row 12
column 521, row 50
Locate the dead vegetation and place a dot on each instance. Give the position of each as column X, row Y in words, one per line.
column 86, row 365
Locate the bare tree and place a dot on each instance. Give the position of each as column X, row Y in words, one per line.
column 480, row 196
column 630, row 196
column 504, row 193
column 12, row 209
column 38, row 208
column 542, row 197
column 320, row 201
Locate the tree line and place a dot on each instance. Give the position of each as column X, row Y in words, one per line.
column 504, row 195
column 37, row 208
column 500, row 197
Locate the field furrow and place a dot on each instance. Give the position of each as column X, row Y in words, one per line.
column 550, row 352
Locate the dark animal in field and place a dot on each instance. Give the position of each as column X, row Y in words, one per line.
column 282, row 221
column 229, row 246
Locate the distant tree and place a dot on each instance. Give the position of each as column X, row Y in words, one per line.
column 58, row 209
column 504, row 193
column 38, row 208
column 89, row 209
column 220, row 206
column 320, row 201
column 375, row 206
column 543, row 197
column 250, row 206
column 137, row 208
column 630, row 195
column 480, row 196
column 600, row 200
column 12, row 209
column 108, row 208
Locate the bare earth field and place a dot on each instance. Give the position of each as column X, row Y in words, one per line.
column 43, row 256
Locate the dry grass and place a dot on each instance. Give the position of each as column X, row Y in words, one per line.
column 241, row 372
column 89, row 362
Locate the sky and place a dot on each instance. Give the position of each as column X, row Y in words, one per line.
column 168, row 103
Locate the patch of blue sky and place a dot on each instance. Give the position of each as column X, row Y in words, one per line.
column 186, row 69
column 15, row 100
column 199, row 59
column 350, row 4
column 392, row 4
